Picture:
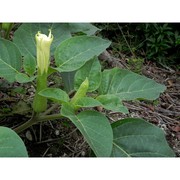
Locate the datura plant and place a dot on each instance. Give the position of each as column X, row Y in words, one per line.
column 71, row 50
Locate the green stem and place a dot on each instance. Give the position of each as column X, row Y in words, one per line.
column 50, row 117
column 8, row 31
column 26, row 124
column 36, row 119
column 5, row 29
column 40, row 102
column 51, row 109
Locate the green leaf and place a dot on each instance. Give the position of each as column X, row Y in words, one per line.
column 10, row 60
column 11, row 145
column 86, row 28
column 127, row 85
column 21, row 107
column 29, row 64
column 23, row 78
column 74, row 52
column 68, row 80
column 92, row 70
column 51, row 70
column 24, row 36
column 55, row 94
column 94, row 127
column 88, row 102
column 135, row 137
column 112, row 102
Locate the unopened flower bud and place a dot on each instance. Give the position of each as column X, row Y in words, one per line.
column 43, row 44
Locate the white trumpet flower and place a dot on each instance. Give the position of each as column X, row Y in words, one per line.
column 43, row 44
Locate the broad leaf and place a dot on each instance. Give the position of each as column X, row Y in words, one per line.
column 23, row 78
column 68, row 80
column 10, row 60
column 127, row 85
column 92, row 70
column 21, row 107
column 137, row 138
column 11, row 145
column 74, row 52
column 55, row 94
column 94, row 127
column 29, row 64
column 51, row 70
column 88, row 102
column 86, row 28
column 112, row 102
column 24, row 36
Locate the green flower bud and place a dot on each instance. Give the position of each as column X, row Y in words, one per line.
column 43, row 44
column 81, row 92
column 6, row 26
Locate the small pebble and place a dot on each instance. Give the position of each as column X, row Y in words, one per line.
column 57, row 132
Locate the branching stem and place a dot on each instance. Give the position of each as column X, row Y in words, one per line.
column 54, row 106
column 36, row 118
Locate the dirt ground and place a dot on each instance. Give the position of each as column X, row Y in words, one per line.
column 62, row 139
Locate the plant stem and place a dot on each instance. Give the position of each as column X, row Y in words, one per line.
column 8, row 31
column 26, row 124
column 54, row 106
column 49, row 117
column 36, row 118
column 40, row 103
